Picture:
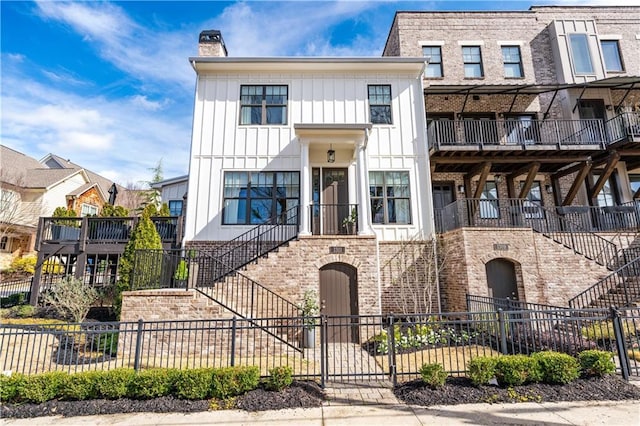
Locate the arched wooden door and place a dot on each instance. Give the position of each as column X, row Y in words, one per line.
column 339, row 298
column 501, row 278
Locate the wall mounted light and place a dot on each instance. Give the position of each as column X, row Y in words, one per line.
column 498, row 178
column 461, row 189
column 331, row 155
column 609, row 107
column 548, row 188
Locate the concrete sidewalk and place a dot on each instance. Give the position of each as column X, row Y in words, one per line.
column 373, row 403
column 563, row 413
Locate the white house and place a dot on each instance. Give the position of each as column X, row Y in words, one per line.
column 336, row 146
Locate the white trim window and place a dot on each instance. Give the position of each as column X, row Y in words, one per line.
column 512, row 60
column 88, row 210
column 472, row 59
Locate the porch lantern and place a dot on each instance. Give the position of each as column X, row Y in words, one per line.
column 331, row 155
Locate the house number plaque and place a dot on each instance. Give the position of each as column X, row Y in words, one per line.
column 501, row 247
column 336, row 250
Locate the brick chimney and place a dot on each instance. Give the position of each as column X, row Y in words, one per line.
column 210, row 43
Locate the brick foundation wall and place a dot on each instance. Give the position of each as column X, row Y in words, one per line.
column 547, row 272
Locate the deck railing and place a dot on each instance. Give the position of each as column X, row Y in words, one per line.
column 514, row 133
column 606, row 218
column 334, row 219
column 623, row 126
column 101, row 230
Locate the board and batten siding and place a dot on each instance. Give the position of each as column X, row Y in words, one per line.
column 220, row 144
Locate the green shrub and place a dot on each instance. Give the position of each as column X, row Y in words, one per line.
column 557, row 368
column 481, row 370
column 596, row 363
column 151, row 384
column 193, row 384
column 9, row 387
column 52, row 266
column 15, row 299
column 433, row 375
column 80, row 386
column 515, row 370
column 106, row 343
column 114, row 384
column 42, row 387
column 233, row 381
column 279, row 378
column 71, row 298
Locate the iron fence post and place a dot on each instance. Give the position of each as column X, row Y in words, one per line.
column 136, row 361
column 391, row 345
column 502, row 329
column 323, row 349
column 621, row 347
column 233, row 341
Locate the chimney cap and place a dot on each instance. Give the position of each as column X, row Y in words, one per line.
column 212, row 37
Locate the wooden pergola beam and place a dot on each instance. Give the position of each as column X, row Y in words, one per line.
column 575, row 186
column 528, row 183
column 482, row 170
column 612, row 161
column 570, row 170
column 636, row 194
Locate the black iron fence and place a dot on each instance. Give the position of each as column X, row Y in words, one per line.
column 347, row 348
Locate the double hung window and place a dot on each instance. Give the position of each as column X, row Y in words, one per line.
column 434, row 56
column 512, row 62
column 263, row 105
column 472, row 59
column 380, row 104
column 175, row 207
column 390, row 197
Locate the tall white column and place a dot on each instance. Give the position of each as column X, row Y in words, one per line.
column 305, row 188
column 362, row 169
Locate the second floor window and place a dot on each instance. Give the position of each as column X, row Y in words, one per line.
column 512, row 62
column 380, row 104
column 263, row 105
column 580, row 54
column 472, row 59
column 434, row 56
column 611, row 54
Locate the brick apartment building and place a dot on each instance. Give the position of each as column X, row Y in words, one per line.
column 533, row 125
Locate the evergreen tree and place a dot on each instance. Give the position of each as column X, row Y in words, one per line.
column 144, row 237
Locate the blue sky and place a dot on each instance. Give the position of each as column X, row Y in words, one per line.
column 108, row 85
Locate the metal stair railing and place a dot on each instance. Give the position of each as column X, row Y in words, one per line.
column 238, row 293
column 572, row 235
column 255, row 243
column 616, row 289
column 519, row 213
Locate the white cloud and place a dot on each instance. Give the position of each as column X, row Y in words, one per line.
column 143, row 102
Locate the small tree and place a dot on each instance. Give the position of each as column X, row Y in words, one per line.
column 71, row 298
column 144, row 237
column 114, row 211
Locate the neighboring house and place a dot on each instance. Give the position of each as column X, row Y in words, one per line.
column 32, row 188
column 173, row 192
column 534, row 127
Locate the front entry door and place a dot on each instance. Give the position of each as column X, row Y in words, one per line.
column 335, row 200
column 501, row 278
column 339, row 299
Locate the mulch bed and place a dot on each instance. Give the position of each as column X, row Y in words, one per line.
column 298, row 395
column 460, row 390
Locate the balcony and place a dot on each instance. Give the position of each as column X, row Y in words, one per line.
column 518, row 213
column 84, row 231
column 515, row 135
column 623, row 128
